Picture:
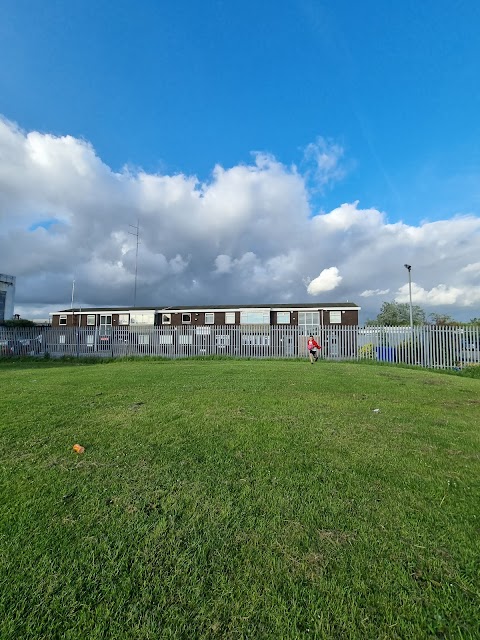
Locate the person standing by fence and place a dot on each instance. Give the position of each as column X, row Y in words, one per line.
column 312, row 346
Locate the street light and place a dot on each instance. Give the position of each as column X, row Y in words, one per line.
column 409, row 269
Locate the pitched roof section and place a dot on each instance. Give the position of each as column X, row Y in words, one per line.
column 219, row 307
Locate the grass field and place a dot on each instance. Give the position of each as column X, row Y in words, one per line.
column 238, row 499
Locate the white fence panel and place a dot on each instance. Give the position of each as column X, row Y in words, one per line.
column 427, row 346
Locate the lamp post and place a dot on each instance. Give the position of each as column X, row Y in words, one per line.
column 409, row 269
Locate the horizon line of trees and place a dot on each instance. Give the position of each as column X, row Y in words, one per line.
column 397, row 314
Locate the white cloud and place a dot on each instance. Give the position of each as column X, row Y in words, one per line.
column 324, row 161
column 223, row 264
column 246, row 235
column 440, row 295
column 368, row 293
column 349, row 216
column 472, row 268
column 328, row 280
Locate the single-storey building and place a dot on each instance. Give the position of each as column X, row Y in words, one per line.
column 308, row 316
column 254, row 330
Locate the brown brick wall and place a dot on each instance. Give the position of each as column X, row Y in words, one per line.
column 349, row 318
column 197, row 319
column 56, row 320
column 293, row 319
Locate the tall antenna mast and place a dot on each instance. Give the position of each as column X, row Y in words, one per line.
column 73, row 291
column 136, row 234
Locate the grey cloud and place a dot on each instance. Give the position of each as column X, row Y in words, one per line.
column 247, row 235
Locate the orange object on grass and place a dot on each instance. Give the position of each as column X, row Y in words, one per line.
column 78, row 448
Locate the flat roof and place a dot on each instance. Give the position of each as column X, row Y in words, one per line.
column 220, row 307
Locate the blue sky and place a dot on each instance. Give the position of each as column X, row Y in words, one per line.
column 177, row 88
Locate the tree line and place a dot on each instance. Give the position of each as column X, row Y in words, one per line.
column 397, row 314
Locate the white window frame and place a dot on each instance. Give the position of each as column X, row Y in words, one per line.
column 165, row 338
column 210, row 317
column 123, row 319
column 166, row 318
column 189, row 321
column 90, row 317
column 222, row 340
column 335, row 317
column 144, row 339
column 142, row 318
column 185, row 339
column 90, row 340
column 62, row 320
column 230, row 317
column 255, row 316
column 283, row 317
column 61, row 339
column 309, row 322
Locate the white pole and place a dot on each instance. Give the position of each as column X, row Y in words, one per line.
column 409, row 269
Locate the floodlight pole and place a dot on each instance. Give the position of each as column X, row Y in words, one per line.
column 136, row 234
column 409, row 269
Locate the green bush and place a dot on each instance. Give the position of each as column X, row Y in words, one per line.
column 471, row 371
column 367, row 351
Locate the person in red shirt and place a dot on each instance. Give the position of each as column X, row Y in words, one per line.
column 312, row 346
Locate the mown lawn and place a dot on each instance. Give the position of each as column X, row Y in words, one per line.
column 238, row 499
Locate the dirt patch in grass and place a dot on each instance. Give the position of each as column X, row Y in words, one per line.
column 337, row 537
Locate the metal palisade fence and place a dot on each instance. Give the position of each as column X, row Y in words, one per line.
column 427, row 346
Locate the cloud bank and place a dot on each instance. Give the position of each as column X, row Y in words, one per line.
column 247, row 235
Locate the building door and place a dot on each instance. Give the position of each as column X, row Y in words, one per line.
column 202, row 340
column 288, row 345
column 105, row 332
column 333, row 346
column 105, row 325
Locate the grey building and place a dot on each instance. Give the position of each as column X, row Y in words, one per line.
column 7, row 296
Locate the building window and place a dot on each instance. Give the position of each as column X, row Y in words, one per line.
column 254, row 340
column 309, row 322
column 61, row 339
column 209, row 318
column 262, row 316
column 186, row 318
column 143, row 338
column 222, row 340
column 283, row 317
column 142, row 318
column 185, row 338
column 90, row 339
column 90, row 321
column 123, row 318
column 62, row 320
column 335, row 317
column 166, row 318
column 165, row 338
column 230, row 317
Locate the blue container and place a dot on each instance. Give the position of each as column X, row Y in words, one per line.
column 386, row 354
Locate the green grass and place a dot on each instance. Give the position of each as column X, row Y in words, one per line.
column 238, row 499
